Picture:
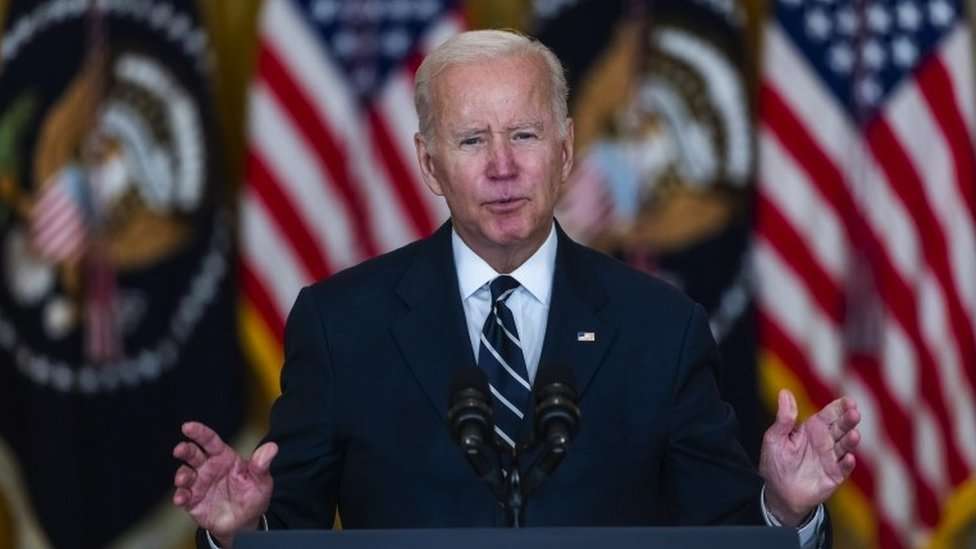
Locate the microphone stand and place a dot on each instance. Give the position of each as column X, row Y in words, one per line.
column 544, row 465
column 492, row 475
column 518, row 491
column 516, row 496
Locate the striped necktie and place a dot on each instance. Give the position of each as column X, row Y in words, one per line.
column 500, row 356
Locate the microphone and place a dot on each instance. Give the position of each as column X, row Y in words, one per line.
column 470, row 413
column 557, row 420
column 473, row 428
column 557, row 416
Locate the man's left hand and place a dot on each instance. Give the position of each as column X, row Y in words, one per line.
column 803, row 465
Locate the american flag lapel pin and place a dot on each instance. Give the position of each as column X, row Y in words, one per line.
column 588, row 337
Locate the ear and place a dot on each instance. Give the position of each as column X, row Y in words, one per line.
column 568, row 150
column 425, row 159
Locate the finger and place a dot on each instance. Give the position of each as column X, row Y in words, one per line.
column 847, row 444
column 184, row 477
column 205, row 437
column 850, row 419
column 190, row 453
column 181, row 497
column 261, row 458
column 846, row 465
column 832, row 412
column 845, row 423
column 785, row 414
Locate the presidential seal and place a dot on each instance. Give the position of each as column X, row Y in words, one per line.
column 117, row 317
column 113, row 242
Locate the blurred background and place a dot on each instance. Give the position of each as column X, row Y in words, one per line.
column 173, row 171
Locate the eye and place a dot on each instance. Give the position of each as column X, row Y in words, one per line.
column 525, row 136
column 474, row 140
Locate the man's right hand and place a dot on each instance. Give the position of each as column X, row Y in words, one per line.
column 223, row 492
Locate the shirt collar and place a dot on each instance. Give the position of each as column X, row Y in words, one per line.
column 535, row 275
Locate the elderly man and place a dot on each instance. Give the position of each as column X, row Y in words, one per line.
column 370, row 352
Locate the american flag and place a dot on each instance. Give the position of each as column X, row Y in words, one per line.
column 866, row 246
column 331, row 175
column 58, row 220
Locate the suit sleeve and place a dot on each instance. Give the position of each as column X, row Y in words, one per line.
column 303, row 423
column 706, row 473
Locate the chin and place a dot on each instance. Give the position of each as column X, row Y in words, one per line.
column 509, row 233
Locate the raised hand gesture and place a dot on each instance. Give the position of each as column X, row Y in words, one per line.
column 804, row 464
column 222, row 491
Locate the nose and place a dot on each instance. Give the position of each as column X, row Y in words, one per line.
column 501, row 162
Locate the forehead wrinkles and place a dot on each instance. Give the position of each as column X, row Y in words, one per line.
column 461, row 93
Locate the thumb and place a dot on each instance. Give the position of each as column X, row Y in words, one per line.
column 261, row 458
column 785, row 414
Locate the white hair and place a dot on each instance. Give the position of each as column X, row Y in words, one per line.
column 481, row 45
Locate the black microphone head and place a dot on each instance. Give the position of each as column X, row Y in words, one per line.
column 557, row 415
column 469, row 409
column 472, row 426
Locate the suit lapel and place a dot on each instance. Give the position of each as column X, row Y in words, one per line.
column 432, row 334
column 577, row 333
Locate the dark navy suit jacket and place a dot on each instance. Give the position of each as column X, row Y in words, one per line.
column 369, row 355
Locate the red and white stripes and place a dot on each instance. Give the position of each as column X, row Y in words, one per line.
column 58, row 222
column 330, row 181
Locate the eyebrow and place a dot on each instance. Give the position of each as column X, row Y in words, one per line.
column 467, row 132
column 535, row 125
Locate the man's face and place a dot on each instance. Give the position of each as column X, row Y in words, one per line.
column 497, row 156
